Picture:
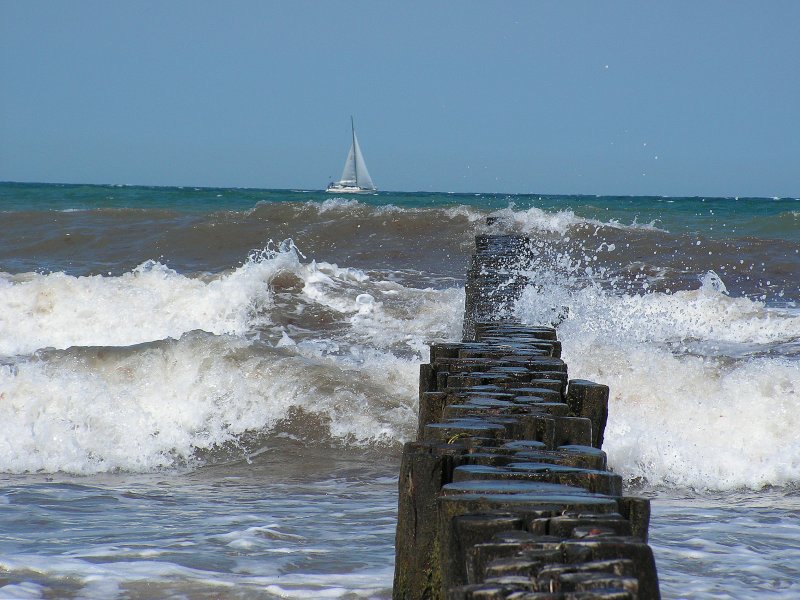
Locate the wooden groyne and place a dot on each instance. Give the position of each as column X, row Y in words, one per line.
column 506, row 492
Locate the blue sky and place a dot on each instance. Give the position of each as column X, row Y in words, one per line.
column 663, row 98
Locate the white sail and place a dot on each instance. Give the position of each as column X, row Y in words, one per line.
column 363, row 179
column 349, row 173
column 355, row 176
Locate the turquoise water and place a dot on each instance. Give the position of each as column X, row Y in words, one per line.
column 771, row 218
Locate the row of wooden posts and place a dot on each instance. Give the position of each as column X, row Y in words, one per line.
column 506, row 493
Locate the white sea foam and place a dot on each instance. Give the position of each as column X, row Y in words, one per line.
column 534, row 220
column 336, row 203
column 696, row 397
column 153, row 406
column 147, row 369
column 509, row 219
column 462, row 210
column 152, row 302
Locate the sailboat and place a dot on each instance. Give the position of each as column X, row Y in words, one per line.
column 355, row 177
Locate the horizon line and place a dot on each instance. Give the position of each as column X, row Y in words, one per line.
column 378, row 192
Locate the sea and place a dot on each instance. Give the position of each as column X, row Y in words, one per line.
column 204, row 393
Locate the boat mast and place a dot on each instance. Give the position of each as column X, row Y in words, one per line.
column 355, row 161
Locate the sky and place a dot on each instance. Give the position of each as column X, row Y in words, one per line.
column 679, row 98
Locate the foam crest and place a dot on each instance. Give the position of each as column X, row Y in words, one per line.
column 697, row 399
column 153, row 406
column 336, row 204
column 411, row 320
column 536, row 220
column 351, row 206
column 463, row 211
column 705, row 317
column 151, row 302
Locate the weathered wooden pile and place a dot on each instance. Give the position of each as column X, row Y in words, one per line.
column 505, row 493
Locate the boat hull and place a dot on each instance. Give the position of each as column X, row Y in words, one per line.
column 334, row 189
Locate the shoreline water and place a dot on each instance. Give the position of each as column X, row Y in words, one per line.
column 727, row 543
column 305, row 524
column 148, row 339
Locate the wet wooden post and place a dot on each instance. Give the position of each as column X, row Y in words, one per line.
column 506, row 493
column 590, row 400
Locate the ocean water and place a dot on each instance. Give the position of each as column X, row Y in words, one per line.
column 204, row 392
